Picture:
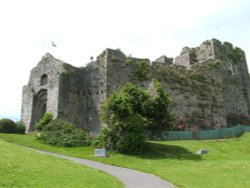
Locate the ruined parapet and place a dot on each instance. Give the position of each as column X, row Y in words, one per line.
column 115, row 55
column 207, row 51
column 187, row 57
column 164, row 60
column 201, row 54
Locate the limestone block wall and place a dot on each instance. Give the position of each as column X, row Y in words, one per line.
column 206, row 83
column 164, row 60
column 205, row 52
column 34, row 107
column 70, row 98
column 27, row 104
column 236, row 88
column 118, row 72
column 233, row 73
column 122, row 70
column 197, row 97
column 183, row 60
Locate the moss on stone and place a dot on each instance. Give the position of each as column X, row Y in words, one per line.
column 236, row 55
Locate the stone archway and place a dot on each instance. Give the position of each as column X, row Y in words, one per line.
column 39, row 107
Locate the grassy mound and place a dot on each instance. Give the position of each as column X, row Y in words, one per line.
column 227, row 163
column 21, row 167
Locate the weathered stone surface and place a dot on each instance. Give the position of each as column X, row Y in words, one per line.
column 164, row 60
column 206, row 83
column 34, row 104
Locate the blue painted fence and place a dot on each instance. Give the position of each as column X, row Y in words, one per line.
column 206, row 134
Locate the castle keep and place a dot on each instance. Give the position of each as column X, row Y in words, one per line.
column 207, row 85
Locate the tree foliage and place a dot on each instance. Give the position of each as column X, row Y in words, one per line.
column 141, row 70
column 9, row 126
column 20, row 128
column 131, row 111
column 157, row 112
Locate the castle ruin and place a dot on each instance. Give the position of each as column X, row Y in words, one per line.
column 206, row 84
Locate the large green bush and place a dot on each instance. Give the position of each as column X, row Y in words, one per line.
column 20, row 128
column 129, row 137
column 61, row 133
column 9, row 126
column 129, row 113
column 47, row 117
column 126, row 136
column 156, row 109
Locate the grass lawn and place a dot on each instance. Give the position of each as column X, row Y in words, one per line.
column 226, row 165
column 21, row 167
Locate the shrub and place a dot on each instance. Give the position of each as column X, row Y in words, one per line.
column 20, row 127
column 62, row 133
column 129, row 113
column 47, row 117
column 130, row 135
column 141, row 70
column 156, row 109
column 125, row 136
column 104, row 139
column 7, row 126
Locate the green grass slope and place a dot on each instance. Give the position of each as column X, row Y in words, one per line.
column 21, row 167
column 226, row 165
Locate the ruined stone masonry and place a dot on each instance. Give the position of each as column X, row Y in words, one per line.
column 207, row 84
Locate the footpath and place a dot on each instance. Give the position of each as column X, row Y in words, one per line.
column 130, row 178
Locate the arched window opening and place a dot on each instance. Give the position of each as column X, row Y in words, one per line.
column 44, row 79
column 39, row 106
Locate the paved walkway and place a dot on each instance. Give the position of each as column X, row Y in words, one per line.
column 131, row 178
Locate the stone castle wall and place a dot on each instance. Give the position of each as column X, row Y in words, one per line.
column 206, row 83
column 39, row 97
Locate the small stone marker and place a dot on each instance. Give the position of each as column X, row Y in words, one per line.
column 100, row 153
column 202, row 152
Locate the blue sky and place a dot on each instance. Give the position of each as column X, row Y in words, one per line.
column 81, row 29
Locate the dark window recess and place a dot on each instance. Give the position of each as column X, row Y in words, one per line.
column 97, row 93
column 44, row 79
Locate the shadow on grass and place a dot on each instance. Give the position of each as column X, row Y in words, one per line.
column 163, row 151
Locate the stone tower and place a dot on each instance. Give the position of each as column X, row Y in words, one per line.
column 42, row 92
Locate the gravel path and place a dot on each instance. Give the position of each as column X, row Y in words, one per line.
column 131, row 178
